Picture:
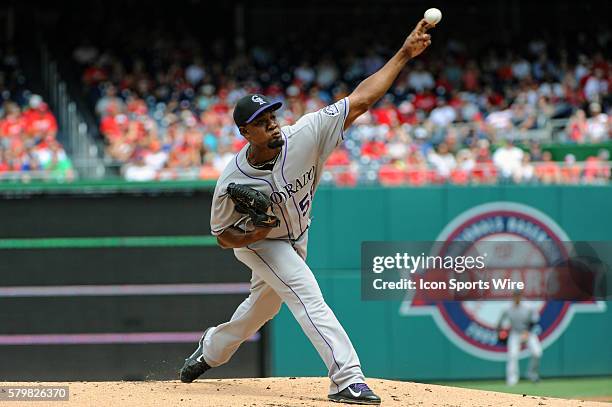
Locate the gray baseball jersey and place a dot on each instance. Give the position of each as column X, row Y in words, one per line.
column 520, row 317
column 279, row 271
column 294, row 179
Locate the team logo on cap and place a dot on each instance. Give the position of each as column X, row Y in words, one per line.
column 472, row 325
column 258, row 99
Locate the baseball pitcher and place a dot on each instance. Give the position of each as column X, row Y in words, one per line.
column 261, row 209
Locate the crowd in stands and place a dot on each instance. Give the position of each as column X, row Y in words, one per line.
column 449, row 117
column 29, row 148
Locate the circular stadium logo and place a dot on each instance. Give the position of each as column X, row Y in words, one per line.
column 472, row 325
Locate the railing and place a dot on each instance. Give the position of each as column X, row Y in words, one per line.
column 592, row 173
column 559, row 129
column 40, row 175
column 81, row 146
column 550, row 131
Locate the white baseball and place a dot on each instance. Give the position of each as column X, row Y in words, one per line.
column 433, row 16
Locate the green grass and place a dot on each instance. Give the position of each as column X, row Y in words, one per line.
column 574, row 388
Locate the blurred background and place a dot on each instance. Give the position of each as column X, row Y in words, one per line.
column 115, row 122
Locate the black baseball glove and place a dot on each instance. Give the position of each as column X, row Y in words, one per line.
column 252, row 202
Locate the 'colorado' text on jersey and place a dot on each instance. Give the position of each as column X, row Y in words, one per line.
column 293, row 180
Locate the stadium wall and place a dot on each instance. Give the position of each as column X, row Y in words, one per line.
column 112, row 281
column 413, row 347
column 57, row 240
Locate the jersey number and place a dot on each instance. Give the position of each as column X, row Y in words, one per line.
column 305, row 204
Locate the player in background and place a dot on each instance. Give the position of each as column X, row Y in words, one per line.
column 523, row 322
column 286, row 165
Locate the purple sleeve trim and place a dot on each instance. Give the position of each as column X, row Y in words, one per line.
column 346, row 111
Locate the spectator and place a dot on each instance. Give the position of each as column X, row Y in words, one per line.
column 466, row 160
column 417, row 170
column 453, row 73
column 535, row 150
column 465, row 166
column 398, row 146
column 521, row 68
column 95, row 74
column 471, row 77
column 597, row 168
column 525, row 173
column 195, row 72
column 392, row 174
column 174, row 108
column 508, row 159
column 304, row 73
column 59, row 166
column 598, row 126
column 425, row 101
column 110, row 103
column 548, row 171
column 570, row 173
column 138, row 170
column 4, row 165
column 338, row 158
column 386, row 113
column 154, row 155
column 577, row 128
column 12, row 125
column 596, row 86
column 327, row 73
column 39, row 122
column 208, row 171
column 374, row 149
column 523, row 116
column 443, row 114
column 28, row 148
column 372, row 63
column 442, row 161
column 223, row 157
column 85, row 53
column 419, row 79
column 500, row 121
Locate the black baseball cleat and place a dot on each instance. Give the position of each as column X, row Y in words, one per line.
column 194, row 365
column 358, row 393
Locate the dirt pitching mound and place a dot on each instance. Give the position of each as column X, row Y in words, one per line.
column 279, row 392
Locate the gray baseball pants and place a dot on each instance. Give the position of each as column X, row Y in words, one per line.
column 280, row 274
